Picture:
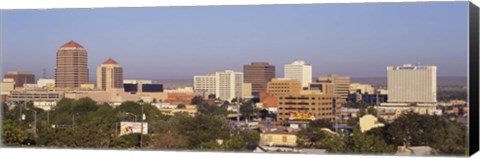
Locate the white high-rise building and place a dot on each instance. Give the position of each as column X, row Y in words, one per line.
column 300, row 71
column 229, row 85
column 412, row 84
column 205, row 85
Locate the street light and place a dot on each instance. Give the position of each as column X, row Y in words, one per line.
column 34, row 120
column 141, row 127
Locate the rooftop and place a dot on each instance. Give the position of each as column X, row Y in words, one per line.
column 71, row 44
column 110, row 61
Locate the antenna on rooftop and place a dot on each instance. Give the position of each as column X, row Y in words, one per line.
column 44, row 73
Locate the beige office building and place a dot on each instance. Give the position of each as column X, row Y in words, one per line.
column 109, row 75
column 341, row 84
column 228, row 84
column 72, row 66
column 412, row 84
column 205, row 85
column 283, row 86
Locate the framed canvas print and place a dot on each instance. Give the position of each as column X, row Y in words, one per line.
column 383, row 78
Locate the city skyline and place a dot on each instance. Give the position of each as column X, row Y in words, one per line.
column 270, row 36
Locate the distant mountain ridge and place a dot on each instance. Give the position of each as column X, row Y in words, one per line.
column 375, row 81
column 441, row 80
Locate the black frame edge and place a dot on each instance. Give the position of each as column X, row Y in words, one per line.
column 473, row 83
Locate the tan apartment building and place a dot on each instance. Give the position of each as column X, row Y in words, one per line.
column 247, row 91
column 258, row 74
column 283, row 86
column 72, row 66
column 109, row 75
column 307, row 106
column 341, row 84
column 278, row 87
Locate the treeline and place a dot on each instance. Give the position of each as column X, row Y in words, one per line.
column 85, row 124
column 445, row 137
column 446, row 95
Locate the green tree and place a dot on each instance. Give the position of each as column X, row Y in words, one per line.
column 247, row 110
column 212, row 110
column 197, row 100
column 444, row 136
column 200, row 129
column 242, row 141
column 130, row 141
column 84, row 105
column 168, row 140
column 235, row 144
column 11, row 135
column 321, row 123
column 313, row 136
column 358, row 142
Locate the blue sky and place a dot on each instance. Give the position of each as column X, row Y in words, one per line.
column 357, row 40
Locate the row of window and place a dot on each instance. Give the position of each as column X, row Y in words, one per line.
column 306, row 98
column 304, row 103
column 319, row 114
column 329, row 119
column 290, row 108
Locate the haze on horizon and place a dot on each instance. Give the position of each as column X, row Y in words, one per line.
column 357, row 40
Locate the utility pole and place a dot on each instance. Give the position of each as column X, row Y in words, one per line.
column 141, row 129
column 20, row 113
column 34, row 123
column 238, row 112
column 377, row 101
column 73, row 121
column 335, row 108
column 48, row 117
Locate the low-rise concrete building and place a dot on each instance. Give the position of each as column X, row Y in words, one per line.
column 179, row 98
column 368, row 122
column 189, row 109
column 278, row 138
column 391, row 111
column 41, row 99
